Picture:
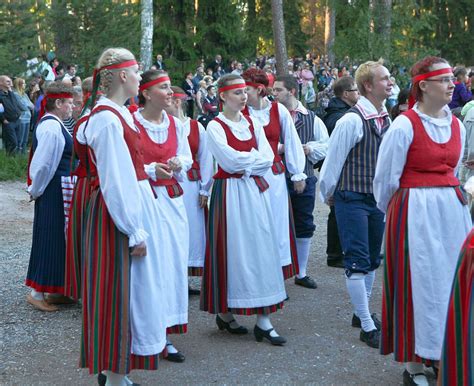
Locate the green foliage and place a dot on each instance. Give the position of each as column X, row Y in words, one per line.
column 12, row 168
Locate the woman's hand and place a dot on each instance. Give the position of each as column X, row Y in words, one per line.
column 163, row 171
column 203, row 201
column 174, row 164
column 139, row 250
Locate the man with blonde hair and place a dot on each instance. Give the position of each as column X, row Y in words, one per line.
column 346, row 180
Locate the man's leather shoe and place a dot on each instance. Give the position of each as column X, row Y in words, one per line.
column 40, row 304
column 371, row 338
column 306, row 282
column 356, row 321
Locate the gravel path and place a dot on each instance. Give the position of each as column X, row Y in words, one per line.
column 323, row 349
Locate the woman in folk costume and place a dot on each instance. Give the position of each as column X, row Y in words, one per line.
column 197, row 183
column 283, row 138
column 48, row 171
column 427, row 219
column 168, row 158
column 123, row 292
column 242, row 270
column 457, row 357
column 84, row 171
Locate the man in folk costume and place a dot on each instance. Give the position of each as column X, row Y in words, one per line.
column 346, row 181
column 427, row 219
column 314, row 138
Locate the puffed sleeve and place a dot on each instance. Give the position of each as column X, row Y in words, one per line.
column 318, row 147
column 206, row 164
column 294, row 155
column 347, row 133
column 118, row 180
column 46, row 157
column 391, row 160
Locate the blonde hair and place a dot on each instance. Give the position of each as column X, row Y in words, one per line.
column 365, row 74
column 111, row 56
column 18, row 88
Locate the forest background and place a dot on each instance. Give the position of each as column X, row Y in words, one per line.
column 186, row 31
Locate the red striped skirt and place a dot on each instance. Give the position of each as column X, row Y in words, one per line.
column 106, row 332
column 457, row 357
column 398, row 330
column 214, row 280
column 72, row 275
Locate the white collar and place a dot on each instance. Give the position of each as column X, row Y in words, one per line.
column 368, row 110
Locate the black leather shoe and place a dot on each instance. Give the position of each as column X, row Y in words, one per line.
column 224, row 325
column 371, row 338
column 260, row 334
column 306, row 282
column 192, row 291
column 177, row 357
column 409, row 379
column 102, row 379
column 356, row 321
column 335, row 261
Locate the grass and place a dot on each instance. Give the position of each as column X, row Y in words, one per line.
column 13, row 168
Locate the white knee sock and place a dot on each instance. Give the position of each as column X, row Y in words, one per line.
column 263, row 321
column 169, row 346
column 358, row 294
column 369, row 283
column 302, row 248
column 37, row 295
column 114, row 379
column 417, row 368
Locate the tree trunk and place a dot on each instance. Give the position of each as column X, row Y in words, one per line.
column 278, row 23
column 146, row 42
column 382, row 14
column 62, row 35
column 330, row 30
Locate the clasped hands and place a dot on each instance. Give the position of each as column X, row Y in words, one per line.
column 165, row 171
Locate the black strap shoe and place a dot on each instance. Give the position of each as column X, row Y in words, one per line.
column 356, row 321
column 221, row 324
column 260, row 334
column 306, row 282
column 371, row 338
column 410, row 379
column 102, row 379
column 176, row 357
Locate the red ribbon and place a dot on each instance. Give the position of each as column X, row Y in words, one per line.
column 151, row 83
column 179, row 95
column 256, row 85
column 430, row 74
column 231, row 87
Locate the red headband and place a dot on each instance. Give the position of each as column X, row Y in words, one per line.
column 128, row 63
column 231, row 87
column 430, row 74
column 256, row 85
column 151, row 83
column 179, row 95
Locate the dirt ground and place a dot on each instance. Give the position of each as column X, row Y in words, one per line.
column 323, row 349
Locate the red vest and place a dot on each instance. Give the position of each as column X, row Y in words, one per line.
column 194, row 174
column 132, row 139
column 273, row 132
column 161, row 152
column 429, row 163
column 80, row 151
column 239, row 145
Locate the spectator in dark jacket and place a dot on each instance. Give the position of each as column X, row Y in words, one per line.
column 461, row 94
column 347, row 96
column 10, row 117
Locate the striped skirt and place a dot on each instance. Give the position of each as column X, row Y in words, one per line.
column 457, row 358
column 48, row 249
column 214, row 280
column 75, row 231
column 106, row 332
column 292, row 269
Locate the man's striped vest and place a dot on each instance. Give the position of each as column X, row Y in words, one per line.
column 359, row 169
column 305, row 128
